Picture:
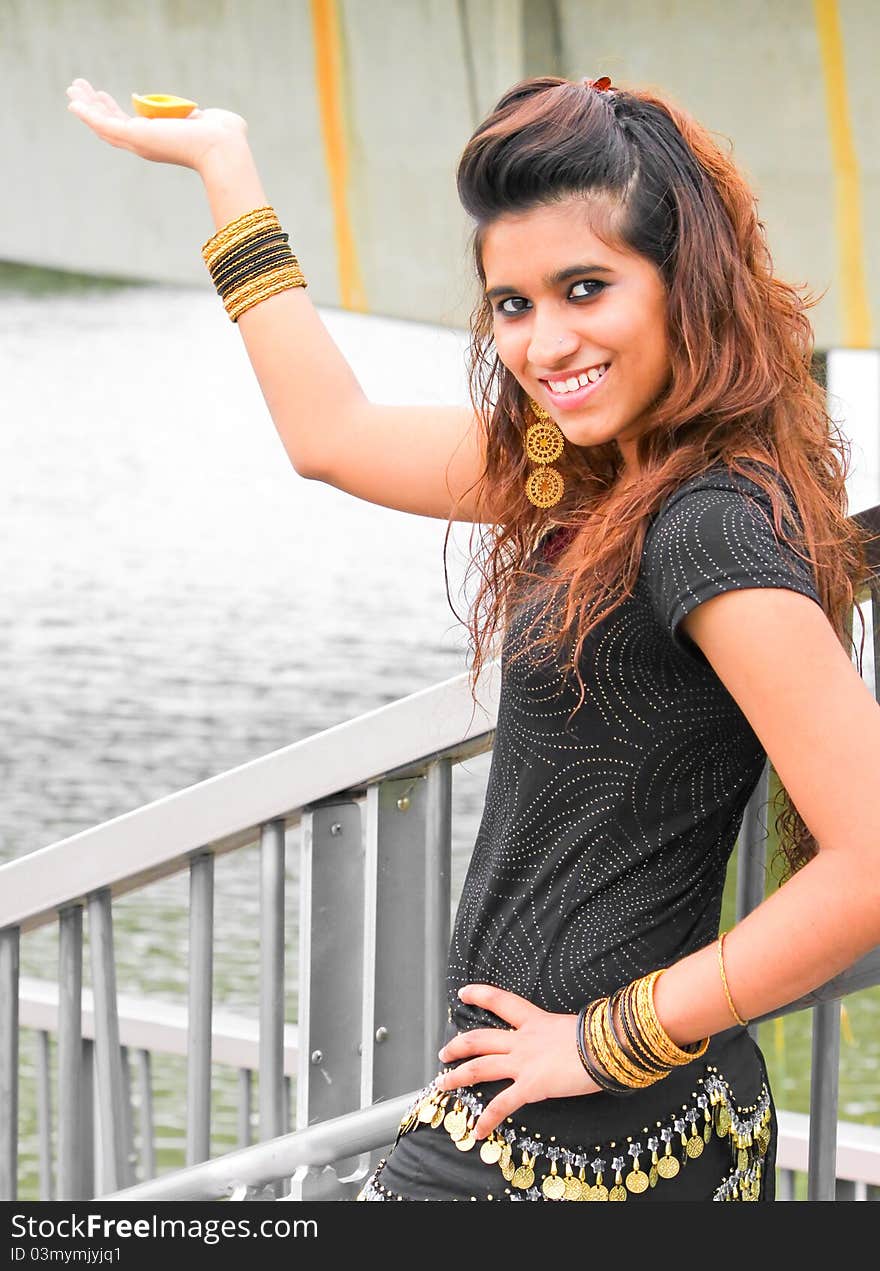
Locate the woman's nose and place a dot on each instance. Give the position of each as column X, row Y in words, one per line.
column 549, row 345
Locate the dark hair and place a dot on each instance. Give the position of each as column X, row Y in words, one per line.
column 741, row 379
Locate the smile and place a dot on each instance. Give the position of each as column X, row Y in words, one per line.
column 574, row 389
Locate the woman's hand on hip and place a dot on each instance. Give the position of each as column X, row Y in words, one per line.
column 538, row 1054
column 186, row 142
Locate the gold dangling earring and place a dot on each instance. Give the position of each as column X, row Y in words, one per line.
column 544, row 445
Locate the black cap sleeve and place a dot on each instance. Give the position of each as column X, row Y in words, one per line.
column 716, row 534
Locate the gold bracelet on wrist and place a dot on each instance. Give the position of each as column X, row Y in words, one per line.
column 744, row 1023
column 241, row 227
column 249, row 261
column 264, row 287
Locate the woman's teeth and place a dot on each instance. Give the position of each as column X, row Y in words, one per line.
column 575, row 382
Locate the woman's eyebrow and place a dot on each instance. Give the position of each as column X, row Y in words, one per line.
column 551, row 280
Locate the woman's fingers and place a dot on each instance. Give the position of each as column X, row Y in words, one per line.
column 478, row 1041
column 484, row 1068
column 112, row 105
column 107, row 126
column 498, row 1110
column 508, row 1006
column 81, row 90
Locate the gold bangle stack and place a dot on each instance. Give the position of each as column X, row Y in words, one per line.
column 610, row 1054
column 249, row 260
column 639, row 1052
column 661, row 1043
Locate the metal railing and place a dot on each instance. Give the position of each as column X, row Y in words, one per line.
column 148, row 1029
column 372, row 799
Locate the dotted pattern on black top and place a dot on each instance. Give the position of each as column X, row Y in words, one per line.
column 604, row 842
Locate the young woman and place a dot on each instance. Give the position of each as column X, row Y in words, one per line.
column 668, row 560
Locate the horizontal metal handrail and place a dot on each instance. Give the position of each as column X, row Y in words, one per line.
column 864, row 974
column 254, row 1167
column 226, row 811
column 162, row 1028
column 858, row 1148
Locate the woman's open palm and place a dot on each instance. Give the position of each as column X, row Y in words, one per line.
column 186, row 142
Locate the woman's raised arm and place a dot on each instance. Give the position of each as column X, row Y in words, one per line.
column 418, row 459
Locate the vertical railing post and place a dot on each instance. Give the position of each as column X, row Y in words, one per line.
column 271, row 978
column 438, row 902
column 752, row 856
column 72, row 1127
column 116, row 1171
column 9, row 968
column 201, row 971
column 145, row 1098
column 330, row 969
column 128, row 1112
column 44, row 1115
column 750, row 877
column 88, row 1119
column 406, row 931
column 824, row 1084
column 244, row 1107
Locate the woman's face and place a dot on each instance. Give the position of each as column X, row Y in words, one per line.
column 566, row 305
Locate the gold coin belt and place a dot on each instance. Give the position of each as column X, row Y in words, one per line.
column 537, row 1170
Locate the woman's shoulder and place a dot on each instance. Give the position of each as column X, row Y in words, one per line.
column 745, row 478
column 717, row 531
column 722, row 491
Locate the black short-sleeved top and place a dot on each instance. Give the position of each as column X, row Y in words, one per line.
column 604, row 841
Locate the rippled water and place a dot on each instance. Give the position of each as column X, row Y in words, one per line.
column 177, row 601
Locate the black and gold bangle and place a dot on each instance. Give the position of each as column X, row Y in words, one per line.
column 267, row 238
column 632, row 1044
column 250, row 259
column 598, row 1050
column 262, row 288
column 590, row 1066
column 653, row 1031
column 260, row 264
column 623, row 999
column 612, row 1056
column 235, row 231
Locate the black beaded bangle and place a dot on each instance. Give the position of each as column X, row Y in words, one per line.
column 640, row 1052
column 270, row 243
column 601, row 1078
column 260, row 265
column 267, row 238
column 649, row 1072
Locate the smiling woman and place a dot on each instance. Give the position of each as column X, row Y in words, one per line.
column 695, row 576
column 674, row 608
column 588, row 341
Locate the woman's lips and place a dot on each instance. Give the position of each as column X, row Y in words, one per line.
column 570, row 401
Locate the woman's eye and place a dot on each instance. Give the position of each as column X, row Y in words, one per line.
column 593, row 284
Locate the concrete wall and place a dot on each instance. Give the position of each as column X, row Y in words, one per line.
column 359, row 109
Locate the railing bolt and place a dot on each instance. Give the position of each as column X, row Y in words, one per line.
column 403, row 802
column 317, row 1056
column 382, row 1034
column 336, row 828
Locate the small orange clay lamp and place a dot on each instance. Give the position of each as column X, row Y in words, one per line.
column 162, row 106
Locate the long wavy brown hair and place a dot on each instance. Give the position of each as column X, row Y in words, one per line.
column 741, row 381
